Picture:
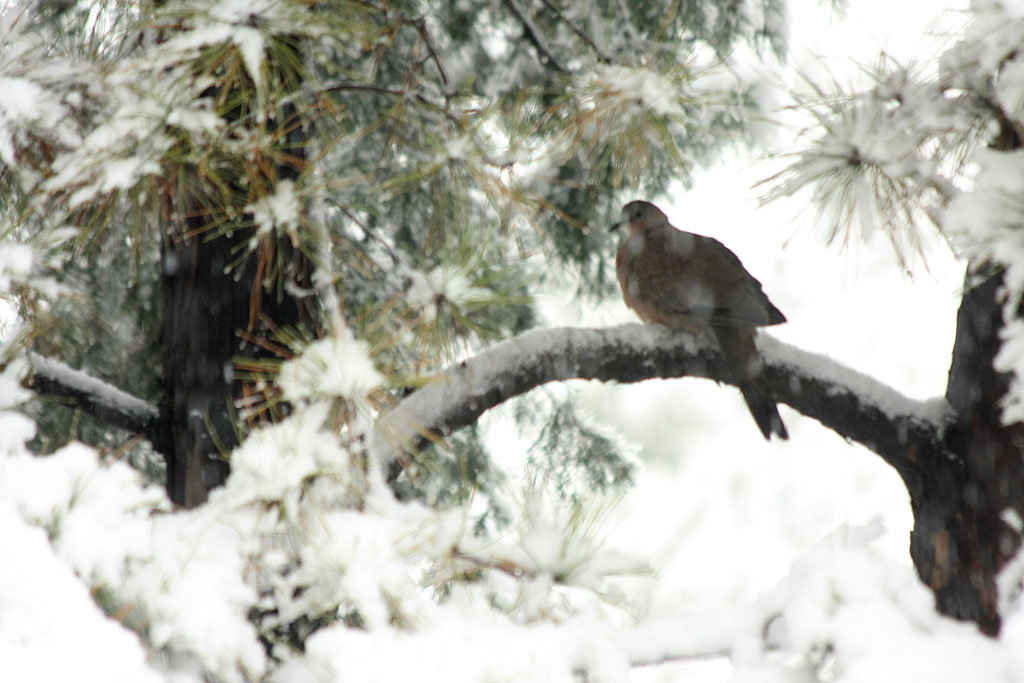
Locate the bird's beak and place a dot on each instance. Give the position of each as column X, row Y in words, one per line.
column 615, row 226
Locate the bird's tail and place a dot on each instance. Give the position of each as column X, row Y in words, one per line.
column 745, row 364
column 766, row 413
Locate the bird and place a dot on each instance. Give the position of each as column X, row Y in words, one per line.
column 695, row 283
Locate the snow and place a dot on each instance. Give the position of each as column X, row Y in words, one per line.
column 353, row 558
column 200, row 36
column 558, row 550
column 50, row 626
column 876, row 619
column 468, row 384
column 994, row 32
column 1010, row 88
column 121, row 174
column 186, row 578
column 1011, row 577
column 195, row 117
column 192, row 592
column 869, row 390
column 860, row 169
column 230, row 21
column 277, row 211
column 443, row 284
column 22, row 99
column 457, row 647
column 636, row 90
column 336, row 366
column 250, row 43
column 843, row 607
column 25, row 106
column 464, row 384
column 19, row 106
column 177, row 580
column 12, row 393
column 81, row 511
column 273, row 464
column 116, row 154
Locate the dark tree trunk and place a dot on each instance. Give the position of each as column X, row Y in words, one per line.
column 201, row 311
column 961, row 503
column 220, row 300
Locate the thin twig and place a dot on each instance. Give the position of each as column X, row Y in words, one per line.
column 365, row 88
column 533, row 33
column 578, row 31
column 366, row 231
column 421, row 27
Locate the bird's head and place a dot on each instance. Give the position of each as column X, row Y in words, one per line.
column 639, row 216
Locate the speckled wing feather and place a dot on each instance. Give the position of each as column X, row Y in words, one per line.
column 701, row 278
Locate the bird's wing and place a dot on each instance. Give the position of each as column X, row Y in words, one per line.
column 701, row 278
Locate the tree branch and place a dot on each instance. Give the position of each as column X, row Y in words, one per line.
column 578, row 31
column 534, row 34
column 690, row 636
column 905, row 432
column 685, row 637
column 95, row 397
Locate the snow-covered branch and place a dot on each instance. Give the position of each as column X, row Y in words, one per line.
column 688, row 636
column 683, row 637
column 94, row 396
column 907, row 433
column 903, row 431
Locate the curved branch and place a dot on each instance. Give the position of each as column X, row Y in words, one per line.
column 908, row 434
column 905, row 432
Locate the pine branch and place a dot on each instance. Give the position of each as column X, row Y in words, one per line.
column 421, row 27
column 578, row 31
column 93, row 396
column 535, row 36
column 905, row 432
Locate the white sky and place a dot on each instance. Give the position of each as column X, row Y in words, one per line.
column 719, row 512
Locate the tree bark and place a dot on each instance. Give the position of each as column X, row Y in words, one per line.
column 961, row 538
column 204, row 306
column 222, row 295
